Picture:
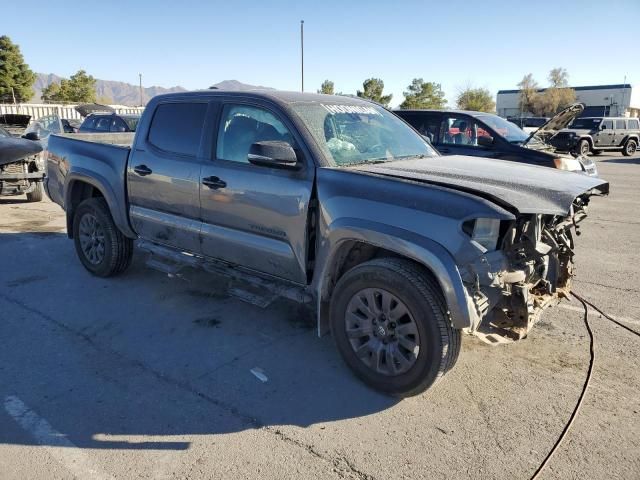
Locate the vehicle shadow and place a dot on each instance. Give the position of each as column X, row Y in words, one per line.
column 623, row 160
column 133, row 361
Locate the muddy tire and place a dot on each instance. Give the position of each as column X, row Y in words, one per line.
column 37, row 194
column 390, row 324
column 101, row 247
column 584, row 147
column 630, row 147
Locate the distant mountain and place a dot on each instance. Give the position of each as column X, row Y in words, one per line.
column 236, row 85
column 120, row 93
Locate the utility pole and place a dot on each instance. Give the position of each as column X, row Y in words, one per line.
column 140, row 75
column 302, row 53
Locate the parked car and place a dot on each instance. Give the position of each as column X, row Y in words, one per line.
column 109, row 122
column 21, row 169
column 481, row 134
column 336, row 203
column 529, row 124
column 599, row 134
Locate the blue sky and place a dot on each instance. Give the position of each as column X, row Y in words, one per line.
column 197, row 43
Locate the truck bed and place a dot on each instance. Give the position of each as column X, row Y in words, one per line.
column 99, row 159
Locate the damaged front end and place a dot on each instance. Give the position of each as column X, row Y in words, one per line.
column 532, row 268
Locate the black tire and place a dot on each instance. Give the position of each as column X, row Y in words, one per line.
column 438, row 341
column 630, row 147
column 116, row 250
column 596, row 152
column 36, row 195
column 584, row 147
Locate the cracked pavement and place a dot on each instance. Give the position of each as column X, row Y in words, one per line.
column 147, row 376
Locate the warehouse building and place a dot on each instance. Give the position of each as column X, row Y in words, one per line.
column 609, row 100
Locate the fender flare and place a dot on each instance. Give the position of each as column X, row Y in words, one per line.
column 96, row 180
column 422, row 250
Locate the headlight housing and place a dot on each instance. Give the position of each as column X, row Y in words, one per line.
column 566, row 163
column 483, row 231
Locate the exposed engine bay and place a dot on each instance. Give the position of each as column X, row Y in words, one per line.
column 512, row 286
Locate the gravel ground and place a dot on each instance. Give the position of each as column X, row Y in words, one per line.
column 150, row 377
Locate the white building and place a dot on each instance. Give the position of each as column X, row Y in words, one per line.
column 609, row 100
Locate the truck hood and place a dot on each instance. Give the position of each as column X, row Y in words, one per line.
column 86, row 109
column 514, row 186
column 547, row 131
column 14, row 149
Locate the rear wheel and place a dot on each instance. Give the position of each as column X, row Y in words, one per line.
column 630, row 147
column 101, row 247
column 390, row 325
column 584, row 147
column 36, row 194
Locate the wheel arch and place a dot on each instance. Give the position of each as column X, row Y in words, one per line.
column 80, row 187
column 357, row 243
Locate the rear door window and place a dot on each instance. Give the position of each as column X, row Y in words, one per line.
column 103, row 124
column 620, row 125
column 177, row 127
column 427, row 125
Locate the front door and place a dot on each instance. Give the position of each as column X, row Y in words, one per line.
column 164, row 176
column 255, row 216
column 604, row 136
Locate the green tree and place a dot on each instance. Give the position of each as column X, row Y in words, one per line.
column 16, row 78
column 327, row 88
column 80, row 88
column 528, row 93
column 372, row 89
column 476, row 99
column 421, row 94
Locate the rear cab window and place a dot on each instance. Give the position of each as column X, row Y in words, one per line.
column 177, row 127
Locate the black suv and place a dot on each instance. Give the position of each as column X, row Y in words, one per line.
column 479, row 134
column 598, row 134
column 109, row 122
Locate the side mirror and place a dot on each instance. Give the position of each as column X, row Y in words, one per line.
column 485, row 141
column 274, row 154
column 35, row 136
column 602, row 126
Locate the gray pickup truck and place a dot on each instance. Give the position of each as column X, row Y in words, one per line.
column 337, row 203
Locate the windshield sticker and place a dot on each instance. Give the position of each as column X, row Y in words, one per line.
column 351, row 109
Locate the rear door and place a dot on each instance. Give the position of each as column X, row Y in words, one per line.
column 164, row 175
column 619, row 131
column 255, row 216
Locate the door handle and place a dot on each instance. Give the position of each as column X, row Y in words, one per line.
column 142, row 170
column 214, row 182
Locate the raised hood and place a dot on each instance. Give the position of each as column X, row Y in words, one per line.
column 88, row 108
column 547, row 131
column 524, row 188
column 14, row 149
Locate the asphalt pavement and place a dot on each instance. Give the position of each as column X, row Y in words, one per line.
column 147, row 376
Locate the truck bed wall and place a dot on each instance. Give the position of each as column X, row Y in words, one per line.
column 100, row 162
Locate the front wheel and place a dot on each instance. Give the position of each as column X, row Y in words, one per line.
column 629, row 148
column 584, row 147
column 389, row 322
column 36, row 194
column 101, row 247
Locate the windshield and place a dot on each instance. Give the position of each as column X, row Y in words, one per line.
column 586, row 123
column 505, row 129
column 132, row 122
column 351, row 134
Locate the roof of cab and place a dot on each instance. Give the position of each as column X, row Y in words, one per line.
column 274, row 95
